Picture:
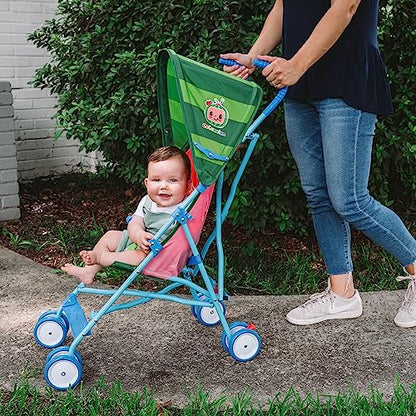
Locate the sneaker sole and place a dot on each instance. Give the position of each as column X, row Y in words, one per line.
column 343, row 315
column 405, row 324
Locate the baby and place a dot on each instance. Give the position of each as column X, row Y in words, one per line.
column 168, row 182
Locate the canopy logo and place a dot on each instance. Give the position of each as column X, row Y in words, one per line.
column 216, row 115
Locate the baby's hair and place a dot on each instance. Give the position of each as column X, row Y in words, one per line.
column 166, row 152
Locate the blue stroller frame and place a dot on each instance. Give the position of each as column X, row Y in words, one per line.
column 63, row 367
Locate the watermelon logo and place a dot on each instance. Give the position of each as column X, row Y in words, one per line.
column 215, row 113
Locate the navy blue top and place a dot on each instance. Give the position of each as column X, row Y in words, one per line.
column 352, row 69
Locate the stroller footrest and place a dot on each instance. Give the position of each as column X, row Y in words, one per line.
column 75, row 314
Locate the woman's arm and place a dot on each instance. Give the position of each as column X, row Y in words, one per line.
column 270, row 36
column 282, row 72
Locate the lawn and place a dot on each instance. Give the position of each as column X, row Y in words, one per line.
column 112, row 400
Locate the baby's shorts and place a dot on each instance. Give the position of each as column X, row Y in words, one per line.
column 125, row 243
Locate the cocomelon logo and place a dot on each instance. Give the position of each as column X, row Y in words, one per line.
column 217, row 116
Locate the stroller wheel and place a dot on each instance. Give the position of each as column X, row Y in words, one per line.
column 63, row 351
column 54, row 313
column 200, row 296
column 50, row 331
column 208, row 316
column 245, row 344
column 193, row 310
column 63, row 372
column 234, row 327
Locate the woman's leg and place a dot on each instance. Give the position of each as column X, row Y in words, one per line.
column 333, row 233
column 347, row 136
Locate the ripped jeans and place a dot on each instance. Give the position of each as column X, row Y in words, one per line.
column 331, row 143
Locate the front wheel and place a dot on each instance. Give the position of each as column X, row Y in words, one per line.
column 63, row 351
column 63, row 372
column 245, row 344
column 234, row 327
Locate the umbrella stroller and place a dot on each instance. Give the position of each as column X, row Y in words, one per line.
column 209, row 113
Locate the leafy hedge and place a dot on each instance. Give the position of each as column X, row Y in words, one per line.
column 103, row 70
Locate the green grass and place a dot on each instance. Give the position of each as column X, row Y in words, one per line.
column 112, row 400
column 260, row 268
column 259, row 271
column 68, row 238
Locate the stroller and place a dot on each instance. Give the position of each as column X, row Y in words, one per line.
column 205, row 111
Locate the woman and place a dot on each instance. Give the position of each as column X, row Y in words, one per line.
column 338, row 85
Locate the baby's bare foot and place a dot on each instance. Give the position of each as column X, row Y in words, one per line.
column 85, row 274
column 89, row 257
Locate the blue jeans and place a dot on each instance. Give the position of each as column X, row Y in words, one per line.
column 331, row 143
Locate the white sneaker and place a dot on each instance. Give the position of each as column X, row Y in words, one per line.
column 326, row 305
column 406, row 316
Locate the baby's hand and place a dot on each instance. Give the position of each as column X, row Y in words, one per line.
column 143, row 242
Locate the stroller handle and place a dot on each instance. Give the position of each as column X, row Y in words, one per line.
column 260, row 64
column 230, row 62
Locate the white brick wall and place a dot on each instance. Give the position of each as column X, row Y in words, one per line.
column 38, row 154
column 9, row 188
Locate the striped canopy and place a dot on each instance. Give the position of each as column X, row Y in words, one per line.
column 204, row 109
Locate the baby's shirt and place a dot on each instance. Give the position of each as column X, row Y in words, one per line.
column 154, row 217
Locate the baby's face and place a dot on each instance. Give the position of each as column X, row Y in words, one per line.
column 166, row 182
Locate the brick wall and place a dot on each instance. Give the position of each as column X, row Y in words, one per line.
column 9, row 188
column 38, row 154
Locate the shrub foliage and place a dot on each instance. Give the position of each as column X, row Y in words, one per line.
column 103, row 70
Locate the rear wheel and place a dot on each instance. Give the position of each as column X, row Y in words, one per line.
column 51, row 331
column 207, row 315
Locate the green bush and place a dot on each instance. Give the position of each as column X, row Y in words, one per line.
column 103, row 70
column 394, row 169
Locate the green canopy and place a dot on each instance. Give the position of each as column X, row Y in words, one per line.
column 203, row 109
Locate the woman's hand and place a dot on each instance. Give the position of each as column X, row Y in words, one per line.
column 246, row 62
column 281, row 72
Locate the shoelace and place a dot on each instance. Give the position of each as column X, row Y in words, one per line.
column 409, row 297
column 320, row 298
column 323, row 297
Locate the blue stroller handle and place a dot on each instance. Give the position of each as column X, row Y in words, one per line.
column 260, row 64
column 230, row 62
column 276, row 101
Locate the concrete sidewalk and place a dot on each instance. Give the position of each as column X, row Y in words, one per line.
column 162, row 346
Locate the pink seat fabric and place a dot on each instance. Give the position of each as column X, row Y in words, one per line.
column 176, row 252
